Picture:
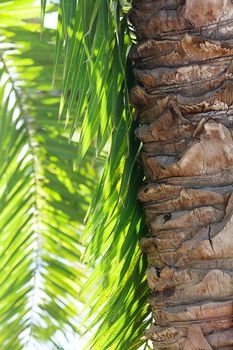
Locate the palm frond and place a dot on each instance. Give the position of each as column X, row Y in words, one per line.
column 93, row 37
column 96, row 42
column 113, row 231
column 43, row 199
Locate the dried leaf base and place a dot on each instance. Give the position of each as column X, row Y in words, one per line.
column 184, row 95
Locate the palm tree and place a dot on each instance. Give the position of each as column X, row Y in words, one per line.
column 183, row 68
column 50, row 171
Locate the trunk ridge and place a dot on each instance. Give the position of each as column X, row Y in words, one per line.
column 183, row 97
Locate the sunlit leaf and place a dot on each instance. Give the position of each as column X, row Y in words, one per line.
column 43, row 200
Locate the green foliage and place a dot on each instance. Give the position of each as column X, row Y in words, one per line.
column 96, row 41
column 93, row 36
column 43, row 200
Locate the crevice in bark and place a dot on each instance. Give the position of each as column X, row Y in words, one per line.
column 210, row 240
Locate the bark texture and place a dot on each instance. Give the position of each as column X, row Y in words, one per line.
column 184, row 95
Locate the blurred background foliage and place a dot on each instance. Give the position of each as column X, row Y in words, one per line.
column 72, row 273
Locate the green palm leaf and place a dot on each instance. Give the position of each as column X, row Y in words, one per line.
column 42, row 252
column 43, row 200
column 96, row 41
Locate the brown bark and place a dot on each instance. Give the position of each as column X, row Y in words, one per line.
column 184, row 99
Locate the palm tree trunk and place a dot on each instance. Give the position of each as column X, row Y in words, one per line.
column 184, row 94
